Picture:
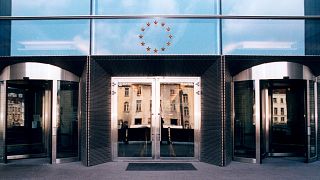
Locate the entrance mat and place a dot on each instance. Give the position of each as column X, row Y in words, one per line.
column 160, row 167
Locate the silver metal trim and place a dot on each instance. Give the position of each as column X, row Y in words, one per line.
column 3, row 106
column 36, row 71
column 245, row 160
column 257, row 120
column 316, row 113
column 151, row 16
column 275, row 70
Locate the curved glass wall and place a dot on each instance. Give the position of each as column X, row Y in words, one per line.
column 46, row 8
column 147, row 7
column 263, row 7
column 155, row 36
column 50, row 37
column 263, row 37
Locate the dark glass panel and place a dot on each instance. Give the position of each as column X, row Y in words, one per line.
column 67, row 131
column 244, row 123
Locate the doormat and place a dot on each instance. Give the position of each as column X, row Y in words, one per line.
column 160, row 167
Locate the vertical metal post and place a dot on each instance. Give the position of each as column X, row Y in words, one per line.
column 54, row 121
column 257, row 119
column 2, row 121
column 316, row 114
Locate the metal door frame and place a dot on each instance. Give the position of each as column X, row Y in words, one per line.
column 155, row 82
column 37, row 71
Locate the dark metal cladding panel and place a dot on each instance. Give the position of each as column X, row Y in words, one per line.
column 211, row 116
column 311, row 7
column 5, row 7
column 5, row 37
column 312, row 37
column 5, row 30
column 83, row 125
column 99, row 116
column 312, row 28
column 228, row 118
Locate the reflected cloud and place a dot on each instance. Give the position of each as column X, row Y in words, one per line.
column 260, row 45
column 46, row 45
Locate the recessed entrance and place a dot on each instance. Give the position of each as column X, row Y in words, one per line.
column 155, row 118
column 275, row 112
column 38, row 113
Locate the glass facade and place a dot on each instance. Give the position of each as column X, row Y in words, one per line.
column 155, row 36
column 263, row 7
column 50, row 37
column 120, row 28
column 149, row 7
column 50, row 8
column 263, row 37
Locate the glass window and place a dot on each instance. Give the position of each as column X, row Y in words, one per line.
column 155, row 36
column 126, row 107
column 173, row 105
column 138, row 107
column 147, row 7
column 275, row 111
column 54, row 7
column 126, row 92
column 185, row 98
column 139, row 91
column 186, row 111
column 282, row 111
column 263, row 7
column 263, row 37
column 50, row 37
column 274, row 100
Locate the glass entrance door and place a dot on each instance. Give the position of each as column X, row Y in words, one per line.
column 155, row 118
column 27, row 121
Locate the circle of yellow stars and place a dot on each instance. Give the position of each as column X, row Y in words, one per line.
column 155, row 50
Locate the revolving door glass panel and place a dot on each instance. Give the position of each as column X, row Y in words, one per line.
column 287, row 131
column 244, row 120
column 67, row 132
column 26, row 125
column 177, row 119
column 134, row 119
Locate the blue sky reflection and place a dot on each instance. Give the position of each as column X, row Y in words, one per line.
column 52, row 37
column 147, row 7
column 263, row 37
column 188, row 37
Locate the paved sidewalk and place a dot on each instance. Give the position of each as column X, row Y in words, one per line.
column 272, row 168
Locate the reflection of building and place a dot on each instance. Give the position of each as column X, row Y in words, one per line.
column 177, row 105
column 15, row 109
column 279, row 103
column 134, row 105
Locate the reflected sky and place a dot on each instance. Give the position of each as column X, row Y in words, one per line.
column 263, row 7
column 124, row 36
column 50, row 7
column 263, row 37
column 120, row 7
column 52, row 37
